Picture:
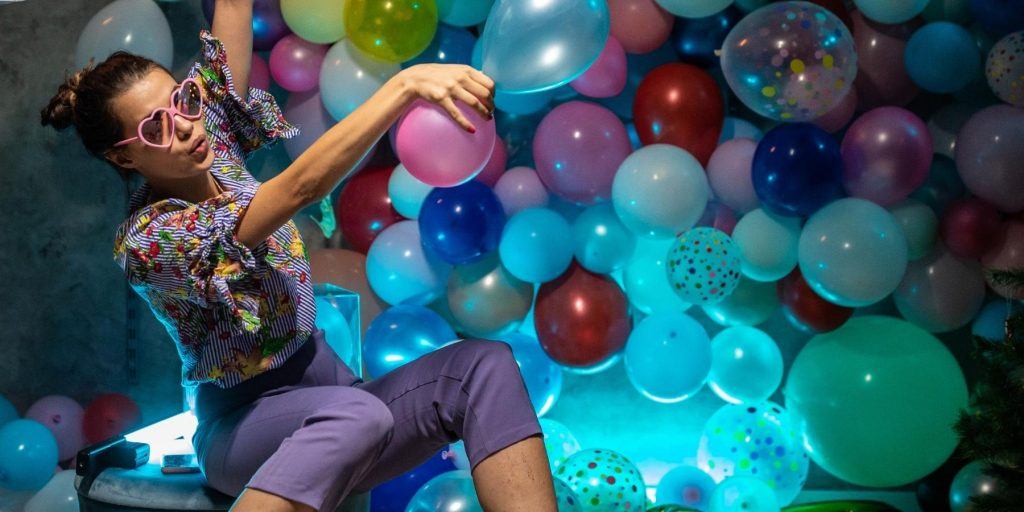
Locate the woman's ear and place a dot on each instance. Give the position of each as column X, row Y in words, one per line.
column 120, row 158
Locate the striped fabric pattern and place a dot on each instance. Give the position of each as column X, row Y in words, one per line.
column 232, row 312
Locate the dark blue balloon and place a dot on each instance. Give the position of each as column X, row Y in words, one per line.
column 451, row 45
column 696, row 39
column 395, row 494
column 463, row 223
column 268, row 26
column 797, row 169
column 999, row 17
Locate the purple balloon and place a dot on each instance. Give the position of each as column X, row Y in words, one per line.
column 295, row 63
column 835, row 119
column 989, row 156
column 578, row 147
column 63, row 417
column 886, row 155
column 606, row 77
column 268, row 26
column 881, row 77
column 259, row 73
column 520, row 188
column 729, row 174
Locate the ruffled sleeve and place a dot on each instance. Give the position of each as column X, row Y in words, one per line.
column 239, row 126
column 190, row 251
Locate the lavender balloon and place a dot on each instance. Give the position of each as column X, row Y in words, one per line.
column 63, row 417
column 886, row 155
column 729, row 174
column 295, row 63
column 520, row 188
column 989, row 153
column 941, row 292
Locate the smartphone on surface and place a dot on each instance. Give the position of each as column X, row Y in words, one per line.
column 180, row 463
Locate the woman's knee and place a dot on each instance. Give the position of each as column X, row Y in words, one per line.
column 374, row 418
column 491, row 353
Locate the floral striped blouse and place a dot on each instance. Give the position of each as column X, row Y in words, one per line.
column 232, row 312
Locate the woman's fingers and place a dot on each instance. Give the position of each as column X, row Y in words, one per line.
column 482, row 78
column 480, row 92
column 448, row 104
column 471, row 100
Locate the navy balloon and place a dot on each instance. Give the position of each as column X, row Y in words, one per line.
column 797, row 169
column 696, row 39
column 461, row 224
column 450, row 45
column 999, row 17
column 268, row 26
column 396, row 493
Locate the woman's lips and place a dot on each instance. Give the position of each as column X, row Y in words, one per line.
column 201, row 149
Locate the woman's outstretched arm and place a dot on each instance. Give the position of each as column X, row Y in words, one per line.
column 232, row 24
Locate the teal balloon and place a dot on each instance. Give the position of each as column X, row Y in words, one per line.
column 704, row 265
column 694, row 8
column 406, row 192
column 137, row 26
column 668, row 357
column 604, row 480
column 746, row 365
column 685, row 485
column 536, row 245
column 920, row 226
column 751, row 303
column 743, row 494
column 28, row 455
column 7, row 411
column 541, row 374
column 760, row 441
column 852, row 252
column 463, row 13
column 660, row 190
column 530, row 46
column 401, row 334
column 971, row 481
column 878, row 398
column 337, row 329
column 567, row 501
column 991, row 320
column 767, row 243
column 451, row 490
column 602, row 243
column 942, row 186
column 645, row 278
column 890, row 12
column 559, row 442
column 941, row 57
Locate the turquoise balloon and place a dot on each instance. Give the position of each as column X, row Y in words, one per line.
column 971, row 481
column 746, row 365
column 941, row 57
column 660, row 190
column 535, row 46
column 890, row 12
column 852, row 252
column 604, row 480
column 878, row 398
column 559, row 442
column 667, row 357
column 401, row 334
column 463, row 13
column 685, row 485
column 28, row 455
column 760, row 441
column 7, row 411
column 510, row 102
column 337, row 329
column 991, row 320
column 920, row 226
column 602, row 243
column 536, row 245
column 451, row 490
column 406, row 192
column 751, row 303
column 566, row 498
column 645, row 278
column 743, row 494
column 767, row 243
column 541, row 374
column 694, row 8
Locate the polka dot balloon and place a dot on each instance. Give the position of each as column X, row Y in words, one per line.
column 759, row 441
column 1004, row 69
column 558, row 442
column 604, row 481
column 704, row 266
column 566, row 498
column 790, row 61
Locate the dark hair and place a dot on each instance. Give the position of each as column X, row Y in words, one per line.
column 84, row 100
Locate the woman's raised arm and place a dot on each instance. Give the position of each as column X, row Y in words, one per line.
column 232, row 24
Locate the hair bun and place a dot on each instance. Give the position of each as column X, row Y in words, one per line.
column 60, row 111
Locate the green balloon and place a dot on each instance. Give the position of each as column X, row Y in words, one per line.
column 751, row 303
column 670, row 508
column 843, row 506
column 878, row 398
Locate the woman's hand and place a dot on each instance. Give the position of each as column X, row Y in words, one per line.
column 444, row 83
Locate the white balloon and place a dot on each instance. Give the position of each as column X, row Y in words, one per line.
column 348, row 78
column 58, row 495
column 138, row 26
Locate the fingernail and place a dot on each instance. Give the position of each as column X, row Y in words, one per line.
column 472, row 130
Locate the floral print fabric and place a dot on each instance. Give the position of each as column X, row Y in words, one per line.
column 233, row 312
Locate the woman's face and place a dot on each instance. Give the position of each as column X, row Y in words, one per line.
column 159, row 164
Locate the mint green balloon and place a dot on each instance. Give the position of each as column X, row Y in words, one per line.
column 751, row 303
column 877, row 398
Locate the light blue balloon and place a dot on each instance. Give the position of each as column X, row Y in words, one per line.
column 541, row 374
column 138, row 26
column 768, row 244
column 401, row 334
column 535, row 46
column 348, row 78
column 536, row 245
column 746, row 365
column 399, row 269
column 736, row 128
column 645, row 278
column 751, row 303
column 451, row 490
column 28, row 455
column 694, row 8
column 337, row 329
column 852, row 252
column 559, row 442
column 603, row 243
column 889, row 11
column 463, row 13
column 7, row 411
column 941, row 57
column 406, row 192
column 743, row 494
column 509, row 102
column 668, row 357
column 687, row 486
column 660, row 190
column 991, row 321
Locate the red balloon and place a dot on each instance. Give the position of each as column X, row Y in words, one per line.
column 364, row 207
column 806, row 308
column 969, row 227
column 108, row 415
column 680, row 104
column 582, row 318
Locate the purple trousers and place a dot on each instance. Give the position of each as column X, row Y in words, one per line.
column 313, row 432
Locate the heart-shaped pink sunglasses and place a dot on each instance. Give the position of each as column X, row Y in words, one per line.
column 156, row 129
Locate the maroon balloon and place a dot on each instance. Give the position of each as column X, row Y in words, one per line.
column 969, row 227
column 582, row 318
column 680, row 104
column 108, row 415
column 881, row 77
column 886, row 152
column 806, row 308
column 364, row 207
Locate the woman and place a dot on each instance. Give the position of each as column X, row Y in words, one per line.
column 284, row 424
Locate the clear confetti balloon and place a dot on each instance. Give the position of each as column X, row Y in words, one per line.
column 566, row 498
column 1004, row 69
column 558, row 442
column 685, row 485
column 790, row 61
column 604, row 481
column 704, row 266
column 760, row 441
column 742, row 494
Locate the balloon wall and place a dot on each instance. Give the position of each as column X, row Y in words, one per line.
column 756, row 235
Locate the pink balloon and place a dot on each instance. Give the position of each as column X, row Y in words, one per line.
column 606, row 77
column 63, row 417
column 495, row 164
column 886, row 152
column 295, row 63
column 882, row 78
column 969, row 226
column 989, row 156
column 719, row 216
column 729, row 174
column 640, row 25
column 577, row 148
column 1007, row 253
column 520, row 188
column 835, row 119
column 259, row 73
column 437, row 150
